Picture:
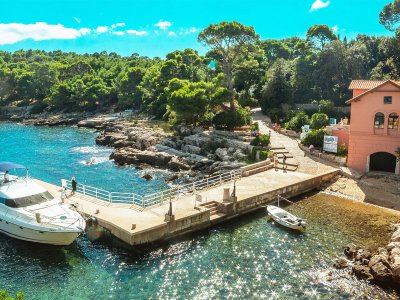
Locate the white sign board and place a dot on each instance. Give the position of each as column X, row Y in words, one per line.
column 330, row 143
column 304, row 131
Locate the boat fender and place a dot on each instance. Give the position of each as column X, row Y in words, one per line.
column 38, row 217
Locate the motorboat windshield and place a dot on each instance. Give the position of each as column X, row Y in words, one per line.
column 27, row 200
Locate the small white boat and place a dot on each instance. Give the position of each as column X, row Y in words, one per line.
column 285, row 218
column 29, row 212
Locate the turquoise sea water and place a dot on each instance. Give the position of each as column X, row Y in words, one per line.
column 245, row 258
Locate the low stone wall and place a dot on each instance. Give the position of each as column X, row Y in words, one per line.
column 341, row 161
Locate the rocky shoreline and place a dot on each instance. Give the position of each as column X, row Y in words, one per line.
column 194, row 152
column 381, row 267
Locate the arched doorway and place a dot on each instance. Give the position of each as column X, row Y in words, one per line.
column 382, row 162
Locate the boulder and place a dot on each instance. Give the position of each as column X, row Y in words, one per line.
column 341, row 263
column 222, row 154
column 380, row 267
column 362, row 255
column 147, row 176
column 395, row 236
column 191, row 149
column 177, row 164
column 350, row 251
column 362, row 271
column 171, row 178
column 239, row 155
column 395, row 264
column 392, row 245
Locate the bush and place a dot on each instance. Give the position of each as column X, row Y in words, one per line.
column 4, row 295
column 231, row 119
column 342, row 150
column 254, row 127
column 261, row 140
column 297, row 122
column 276, row 115
column 319, row 120
column 315, row 137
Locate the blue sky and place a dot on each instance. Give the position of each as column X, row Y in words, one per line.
column 155, row 27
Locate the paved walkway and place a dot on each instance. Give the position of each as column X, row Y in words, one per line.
column 306, row 164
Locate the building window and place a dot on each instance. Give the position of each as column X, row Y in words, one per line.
column 387, row 100
column 379, row 120
column 393, row 122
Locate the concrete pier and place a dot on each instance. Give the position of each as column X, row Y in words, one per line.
column 152, row 224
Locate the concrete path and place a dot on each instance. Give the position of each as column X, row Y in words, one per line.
column 306, row 164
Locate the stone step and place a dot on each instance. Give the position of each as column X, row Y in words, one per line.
column 213, row 212
column 211, row 204
column 288, row 155
column 280, row 151
column 258, row 170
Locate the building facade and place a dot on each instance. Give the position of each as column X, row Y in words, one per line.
column 374, row 135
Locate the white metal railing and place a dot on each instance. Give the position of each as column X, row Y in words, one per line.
column 159, row 197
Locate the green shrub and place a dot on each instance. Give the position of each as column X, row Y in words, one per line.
column 263, row 154
column 254, row 126
column 5, row 296
column 261, row 140
column 319, row 120
column 231, row 119
column 315, row 137
column 342, row 150
column 298, row 121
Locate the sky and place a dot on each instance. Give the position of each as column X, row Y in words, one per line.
column 157, row 27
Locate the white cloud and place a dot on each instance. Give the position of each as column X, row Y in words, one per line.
column 102, row 29
column 118, row 33
column 77, row 20
column 163, row 24
column 318, row 4
column 136, row 32
column 335, row 29
column 193, row 29
column 85, row 31
column 171, row 33
column 118, row 25
column 15, row 32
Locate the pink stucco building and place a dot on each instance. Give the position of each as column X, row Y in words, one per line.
column 374, row 134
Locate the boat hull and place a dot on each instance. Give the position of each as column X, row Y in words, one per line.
column 285, row 219
column 56, row 237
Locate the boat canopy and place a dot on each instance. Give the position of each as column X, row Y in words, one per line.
column 6, row 166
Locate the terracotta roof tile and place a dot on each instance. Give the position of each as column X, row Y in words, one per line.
column 366, row 84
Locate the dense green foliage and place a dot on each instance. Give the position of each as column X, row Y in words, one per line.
column 298, row 121
column 319, row 120
column 261, row 140
column 5, row 296
column 315, row 138
column 188, row 87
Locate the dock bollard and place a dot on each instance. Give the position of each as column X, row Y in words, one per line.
column 38, row 217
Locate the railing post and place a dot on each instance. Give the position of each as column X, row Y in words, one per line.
column 220, row 179
column 96, row 194
column 83, row 189
column 133, row 198
column 162, row 197
column 109, row 197
column 194, row 187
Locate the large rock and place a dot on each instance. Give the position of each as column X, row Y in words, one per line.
column 222, row 154
column 380, row 267
column 341, row 263
column 131, row 156
column 178, row 164
column 351, row 250
column 395, row 264
column 396, row 235
column 191, row 149
column 197, row 139
column 362, row 271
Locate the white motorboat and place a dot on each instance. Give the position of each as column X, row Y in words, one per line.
column 29, row 212
column 285, row 218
